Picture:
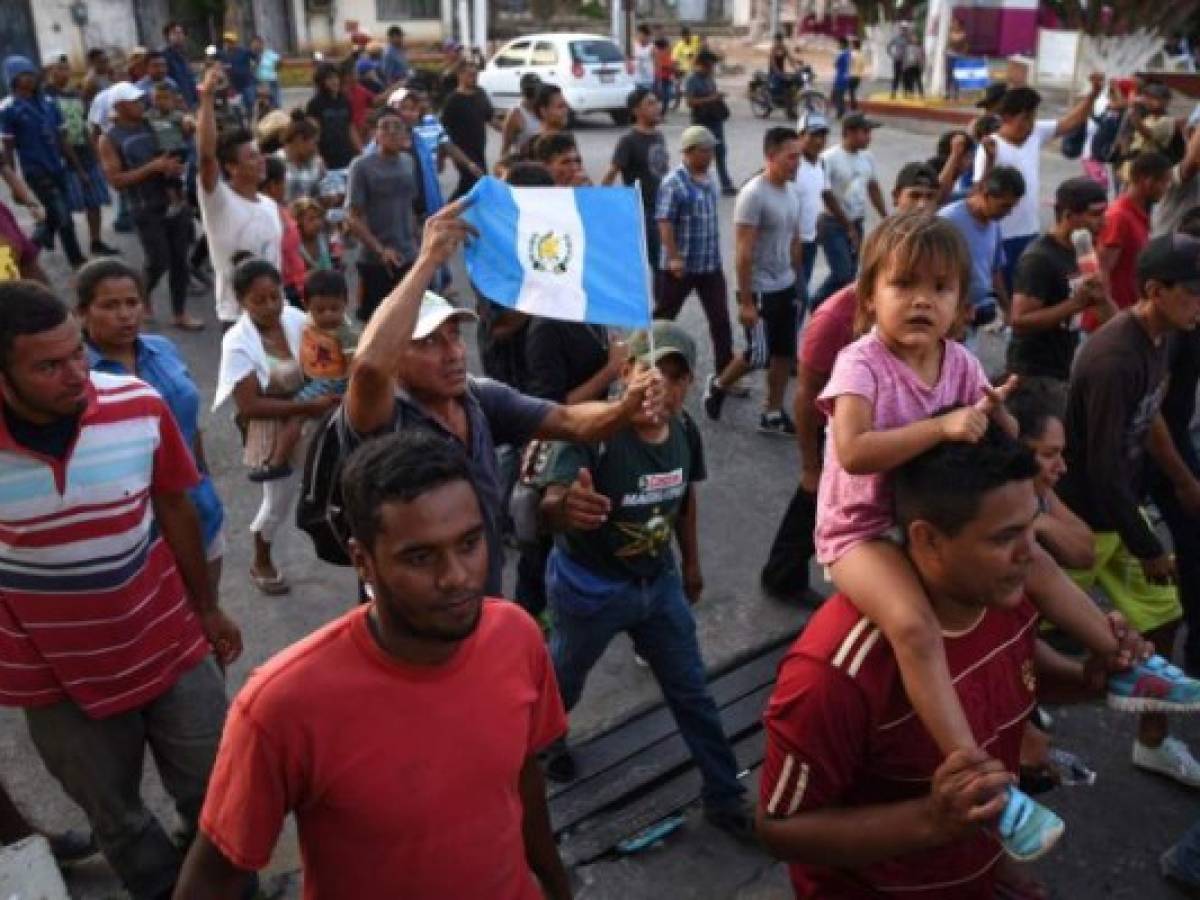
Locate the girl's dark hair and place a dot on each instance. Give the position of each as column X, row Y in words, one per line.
column 910, row 243
column 545, row 147
column 247, row 269
column 88, row 278
column 300, row 127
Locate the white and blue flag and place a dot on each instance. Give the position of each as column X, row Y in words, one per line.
column 971, row 74
column 577, row 254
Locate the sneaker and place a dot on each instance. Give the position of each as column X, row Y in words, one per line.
column 729, row 191
column 1153, row 686
column 1171, row 758
column 776, row 423
column 99, row 248
column 735, row 819
column 714, row 398
column 1028, row 829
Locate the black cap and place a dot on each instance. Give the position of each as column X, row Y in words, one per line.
column 1171, row 259
column 992, row 95
column 1075, row 195
column 916, row 174
column 858, row 120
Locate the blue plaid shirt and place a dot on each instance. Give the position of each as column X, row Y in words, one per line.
column 691, row 206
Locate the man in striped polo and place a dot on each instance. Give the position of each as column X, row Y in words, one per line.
column 854, row 794
column 108, row 623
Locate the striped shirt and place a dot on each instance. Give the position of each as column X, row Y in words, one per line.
column 92, row 606
column 841, row 733
column 691, row 208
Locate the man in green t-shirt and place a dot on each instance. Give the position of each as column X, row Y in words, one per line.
column 614, row 508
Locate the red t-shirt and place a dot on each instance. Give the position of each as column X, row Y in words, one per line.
column 403, row 779
column 1127, row 229
column 830, row 329
column 360, row 100
column 840, row 732
column 292, row 260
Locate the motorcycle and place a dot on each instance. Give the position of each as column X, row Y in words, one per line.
column 786, row 93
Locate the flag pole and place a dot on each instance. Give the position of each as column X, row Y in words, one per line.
column 646, row 266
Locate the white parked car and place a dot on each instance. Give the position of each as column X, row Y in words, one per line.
column 591, row 70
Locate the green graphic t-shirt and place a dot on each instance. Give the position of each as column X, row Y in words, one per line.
column 646, row 484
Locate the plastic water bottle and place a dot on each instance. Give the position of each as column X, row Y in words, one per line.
column 1088, row 263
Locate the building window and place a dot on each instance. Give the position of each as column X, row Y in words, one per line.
column 389, row 10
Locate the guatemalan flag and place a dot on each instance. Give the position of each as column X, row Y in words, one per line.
column 565, row 253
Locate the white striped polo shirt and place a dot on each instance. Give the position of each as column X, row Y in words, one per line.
column 92, row 606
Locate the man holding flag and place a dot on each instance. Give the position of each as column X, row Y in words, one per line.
column 410, row 372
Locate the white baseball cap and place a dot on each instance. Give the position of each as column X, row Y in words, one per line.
column 435, row 310
column 397, row 96
column 124, row 92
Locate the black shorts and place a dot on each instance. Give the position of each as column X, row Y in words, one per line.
column 775, row 333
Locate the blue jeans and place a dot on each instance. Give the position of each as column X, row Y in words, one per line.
column 803, row 277
column 664, row 89
column 840, row 254
column 1182, row 861
column 657, row 616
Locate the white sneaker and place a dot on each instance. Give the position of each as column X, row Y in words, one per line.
column 1172, row 758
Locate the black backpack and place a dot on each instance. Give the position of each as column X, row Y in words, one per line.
column 319, row 510
column 1108, row 132
column 1073, row 142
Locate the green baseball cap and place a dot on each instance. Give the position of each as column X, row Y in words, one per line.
column 669, row 340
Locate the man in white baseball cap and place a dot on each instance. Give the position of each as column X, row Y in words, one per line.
column 410, row 371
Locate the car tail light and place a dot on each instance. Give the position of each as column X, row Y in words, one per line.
column 577, row 70
column 629, row 67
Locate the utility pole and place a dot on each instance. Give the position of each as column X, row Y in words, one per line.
column 481, row 27
column 614, row 9
column 773, row 19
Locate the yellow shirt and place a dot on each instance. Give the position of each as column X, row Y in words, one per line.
column 684, row 52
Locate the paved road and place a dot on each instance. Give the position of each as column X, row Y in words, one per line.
column 1116, row 829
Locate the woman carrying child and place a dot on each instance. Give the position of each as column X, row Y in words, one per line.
column 260, row 370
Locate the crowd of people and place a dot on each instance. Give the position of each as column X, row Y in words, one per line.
column 952, row 512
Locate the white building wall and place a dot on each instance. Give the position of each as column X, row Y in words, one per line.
column 314, row 31
column 111, row 24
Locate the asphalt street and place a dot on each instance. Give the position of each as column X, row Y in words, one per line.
column 1116, row 829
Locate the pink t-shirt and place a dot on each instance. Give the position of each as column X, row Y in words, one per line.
column 852, row 509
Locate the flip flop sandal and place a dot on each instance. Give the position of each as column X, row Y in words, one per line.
column 272, row 587
column 263, row 473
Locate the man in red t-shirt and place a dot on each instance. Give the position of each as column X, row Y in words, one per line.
column 402, row 736
column 854, row 792
column 1127, row 230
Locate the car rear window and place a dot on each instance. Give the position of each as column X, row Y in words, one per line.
column 597, row 51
